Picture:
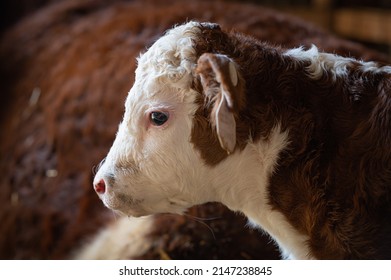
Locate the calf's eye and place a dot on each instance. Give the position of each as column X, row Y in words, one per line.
column 158, row 118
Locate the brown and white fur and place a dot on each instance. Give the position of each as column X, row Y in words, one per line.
column 297, row 140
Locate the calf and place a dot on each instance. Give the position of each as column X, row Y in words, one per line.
column 297, row 140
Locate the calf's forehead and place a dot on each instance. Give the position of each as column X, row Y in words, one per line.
column 172, row 56
column 153, row 92
column 165, row 70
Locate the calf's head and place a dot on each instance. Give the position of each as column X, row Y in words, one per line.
column 180, row 99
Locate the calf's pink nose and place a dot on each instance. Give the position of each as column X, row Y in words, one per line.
column 100, row 187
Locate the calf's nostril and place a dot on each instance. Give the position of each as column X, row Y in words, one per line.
column 100, row 187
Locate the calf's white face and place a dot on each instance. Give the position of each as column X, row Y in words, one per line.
column 152, row 166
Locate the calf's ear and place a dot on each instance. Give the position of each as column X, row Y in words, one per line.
column 222, row 86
